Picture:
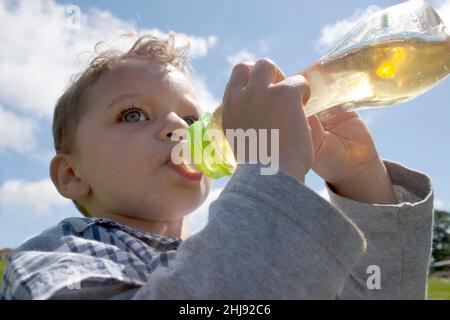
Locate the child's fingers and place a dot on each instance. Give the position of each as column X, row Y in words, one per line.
column 240, row 75
column 238, row 79
column 295, row 84
column 264, row 73
column 334, row 116
column 317, row 131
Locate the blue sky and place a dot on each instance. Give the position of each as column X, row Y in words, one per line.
column 39, row 53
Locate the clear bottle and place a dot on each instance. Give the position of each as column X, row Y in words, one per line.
column 389, row 58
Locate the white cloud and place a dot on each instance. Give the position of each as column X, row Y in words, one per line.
column 199, row 46
column 16, row 132
column 38, row 198
column 206, row 99
column 40, row 49
column 438, row 204
column 246, row 55
column 241, row 56
column 441, row 205
column 331, row 33
column 199, row 218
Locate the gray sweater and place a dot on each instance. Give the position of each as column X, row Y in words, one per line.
column 271, row 237
column 267, row 237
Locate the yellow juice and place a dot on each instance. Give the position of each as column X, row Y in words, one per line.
column 381, row 74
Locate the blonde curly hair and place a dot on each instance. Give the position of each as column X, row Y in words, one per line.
column 70, row 107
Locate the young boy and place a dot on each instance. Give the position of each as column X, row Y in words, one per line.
column 267, row 237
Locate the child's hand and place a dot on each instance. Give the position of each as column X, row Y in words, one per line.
column 258, row 96
column 346, row 157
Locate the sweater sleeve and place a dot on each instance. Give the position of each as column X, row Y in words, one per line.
column 267, row 237
column 399, row 238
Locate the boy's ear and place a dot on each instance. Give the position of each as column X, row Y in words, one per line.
column 65, row 179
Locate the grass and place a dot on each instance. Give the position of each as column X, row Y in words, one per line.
column 2, row 267
column 438, row 289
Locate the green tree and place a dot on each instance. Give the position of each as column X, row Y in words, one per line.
column 441, row 236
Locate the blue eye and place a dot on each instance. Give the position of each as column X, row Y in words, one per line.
column 132, row 114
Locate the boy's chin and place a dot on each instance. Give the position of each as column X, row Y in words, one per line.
column 186, row 208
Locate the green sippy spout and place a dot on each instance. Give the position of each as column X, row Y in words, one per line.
column 209, row 148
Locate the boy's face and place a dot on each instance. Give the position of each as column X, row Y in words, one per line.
column 123, row 142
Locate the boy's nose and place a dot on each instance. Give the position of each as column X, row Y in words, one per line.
column 171, row 122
